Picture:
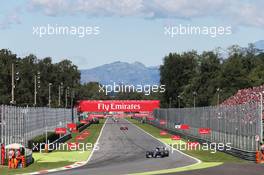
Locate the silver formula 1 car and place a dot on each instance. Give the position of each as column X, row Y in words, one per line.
column 158, row 152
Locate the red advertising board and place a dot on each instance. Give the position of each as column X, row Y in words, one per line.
column 71, row 125
column 84, row 121
column 175, row 137
column 86, row 133
column 182, row 127
column 118, row 105
column 163, row 133
column 60, row 130
column 204, row 130
column 151, row 118
column 74, row 130
column 83, row 135
column 185, row 127
column 100, row 116
column 162, row 122
column 80, row 137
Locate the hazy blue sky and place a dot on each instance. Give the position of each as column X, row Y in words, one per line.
column 130, row 30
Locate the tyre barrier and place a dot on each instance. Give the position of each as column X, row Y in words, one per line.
column 26, row 161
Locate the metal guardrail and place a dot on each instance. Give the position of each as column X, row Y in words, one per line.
column 238, row 125
column 20, row 124
column 243, row 154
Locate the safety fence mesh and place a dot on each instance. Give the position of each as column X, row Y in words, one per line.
column 20, row 124
column 240, row 125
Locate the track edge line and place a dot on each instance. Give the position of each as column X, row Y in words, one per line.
column 196, row 159
column 74, row 164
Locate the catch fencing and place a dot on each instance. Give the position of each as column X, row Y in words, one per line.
column 240, row 125
column 20, row 124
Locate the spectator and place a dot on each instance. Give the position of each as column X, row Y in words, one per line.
column 17, row 158
column 244, row 96
column 11, row 156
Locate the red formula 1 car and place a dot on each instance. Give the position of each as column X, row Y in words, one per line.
column 123, row 128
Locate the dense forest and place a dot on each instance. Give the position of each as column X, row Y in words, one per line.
column 62, row 79
column 190, row 78
column 210, row 77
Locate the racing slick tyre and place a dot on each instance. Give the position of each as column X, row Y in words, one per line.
column 148, row 155
column 155, row 155
column 162, row 155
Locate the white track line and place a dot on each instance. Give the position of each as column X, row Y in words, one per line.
column 197, row 160
column 97, row 141
column 76, row 164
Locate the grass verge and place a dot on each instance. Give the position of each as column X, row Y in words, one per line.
column 207, row 158
column 203, row 155
column 56, row 159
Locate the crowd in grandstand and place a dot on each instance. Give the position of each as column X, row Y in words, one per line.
column 244, row 96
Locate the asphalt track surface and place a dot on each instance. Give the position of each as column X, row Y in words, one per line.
column 123, row 152
column 248, row 168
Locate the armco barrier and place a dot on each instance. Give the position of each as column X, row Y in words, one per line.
column 83, row 127
column 239, row 125
column 20, row 124
column 61, row 140
column 243, row 154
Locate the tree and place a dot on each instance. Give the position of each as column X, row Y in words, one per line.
column 176, row 72
column 191, row 75
column 90, row 91
column 63, row 72
column 6, row 60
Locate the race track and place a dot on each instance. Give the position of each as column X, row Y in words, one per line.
column 123, row 152
column 247, row 168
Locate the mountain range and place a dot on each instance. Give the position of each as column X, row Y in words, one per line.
column 122, row 72
column 128, row 73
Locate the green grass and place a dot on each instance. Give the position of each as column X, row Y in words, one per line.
column 94, row 130
column 207, row 156
column 56, row 159
column 203, row 155
column 37, row 166
column 181, row 169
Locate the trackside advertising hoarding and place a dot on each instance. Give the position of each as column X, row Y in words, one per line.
column 60, row 130
column 118, row 105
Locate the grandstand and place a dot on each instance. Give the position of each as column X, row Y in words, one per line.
column 244, row 96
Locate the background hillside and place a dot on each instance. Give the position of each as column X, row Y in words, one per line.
column 122, row 72
column 128, row 73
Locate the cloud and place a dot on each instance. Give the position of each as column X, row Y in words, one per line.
column 247, row 14
column 10, row 19
column 89, row 7
column 239, row 12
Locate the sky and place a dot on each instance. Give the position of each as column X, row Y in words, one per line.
column 129, row 30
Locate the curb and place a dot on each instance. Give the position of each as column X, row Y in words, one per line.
column 72, row 166
column 75, row 165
